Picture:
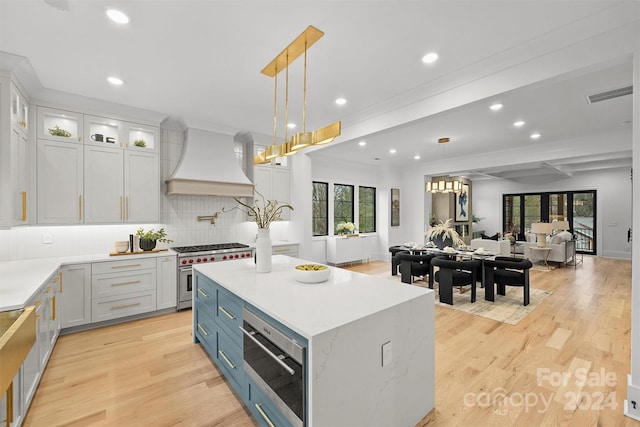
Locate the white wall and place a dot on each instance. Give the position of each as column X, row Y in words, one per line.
column 613, row 189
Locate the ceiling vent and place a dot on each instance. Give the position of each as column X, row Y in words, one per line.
column 610, row 94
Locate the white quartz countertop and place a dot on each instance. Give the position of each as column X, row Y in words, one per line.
column 21, row 279
column 309, row 309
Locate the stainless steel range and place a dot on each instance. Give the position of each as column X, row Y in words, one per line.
column 198, row 254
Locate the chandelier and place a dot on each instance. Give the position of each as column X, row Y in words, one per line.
column 304, row 139
column 443, row 185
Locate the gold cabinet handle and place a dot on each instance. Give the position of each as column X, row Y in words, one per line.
column 280, row 251
column 53, row 308
column 264, row 416
column 203, row 293
column 60, row 277
column 80, row 207
column 120, row 208
column 118, row 307
column 126, row 283
column 229, row 315
column 23, row 195
column 9, row 404
column 125, row 266
column 226, row 359
column 203, row 330
column 127, row 208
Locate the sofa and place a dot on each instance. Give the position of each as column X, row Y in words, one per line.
column 562, row 248
column 500, row 247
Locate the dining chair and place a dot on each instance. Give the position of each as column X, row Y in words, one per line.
column 455, row 273
column 415, row 265
column 506, row 271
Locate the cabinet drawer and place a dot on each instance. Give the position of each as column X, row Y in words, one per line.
column 289, row 250
column 228, row 357
column 228, row 313
column 263, row 411
column 205, row 329
column 127, row 305
column 205, row 294
column 105, row 285
column 124, row 265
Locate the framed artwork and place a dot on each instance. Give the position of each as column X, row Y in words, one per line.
column 462, row 204
column 395, row 207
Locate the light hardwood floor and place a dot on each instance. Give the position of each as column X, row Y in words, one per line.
column 148, row 373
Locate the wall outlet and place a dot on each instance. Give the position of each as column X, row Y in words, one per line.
column 386, row 354
column 47, row 238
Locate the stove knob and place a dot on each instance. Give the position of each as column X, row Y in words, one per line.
column 204, row 260
column 198, row 260
column 190, row 261
column 213, row 258
column 236, row 256
column 224, row 257
column 249, row 254
column 241, row 255
column 184, row 261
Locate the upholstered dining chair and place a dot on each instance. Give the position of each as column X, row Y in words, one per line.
column 455, row 273
column 414, row 265
column 506, row 271
column 395, row 263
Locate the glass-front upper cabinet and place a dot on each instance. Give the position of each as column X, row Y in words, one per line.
column 19, row 110
column 59, row 125
column 103, row 131
column 140, row 137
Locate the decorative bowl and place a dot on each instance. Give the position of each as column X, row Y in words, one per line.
column 121, row 246
column 311, row 273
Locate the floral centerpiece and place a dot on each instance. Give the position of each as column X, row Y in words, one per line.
column 345, row 228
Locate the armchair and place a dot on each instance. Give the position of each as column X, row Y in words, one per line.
column 414, row 265
column 506, row 271
column 455, row 273
column 395, row 263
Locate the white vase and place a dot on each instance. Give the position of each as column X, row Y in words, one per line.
column 263, row 251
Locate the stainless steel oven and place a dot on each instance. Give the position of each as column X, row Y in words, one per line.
column 276, row 363
column 199, row 254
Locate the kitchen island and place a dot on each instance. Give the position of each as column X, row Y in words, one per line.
column 369, row 340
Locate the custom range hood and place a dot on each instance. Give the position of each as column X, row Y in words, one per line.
column 208, row 166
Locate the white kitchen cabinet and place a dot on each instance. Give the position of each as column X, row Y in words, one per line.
column 273, row 183
column 54, row 125
column 59, row 182
column 19, row 411
column 19, row 110
column 141, row 137
column 75, row 299
column 167, row 277
column 342, row 250
column 103, row 185
column 122, row 288
column 19, row 175
column 102, row 132
column 141, row 187
column 288, row 250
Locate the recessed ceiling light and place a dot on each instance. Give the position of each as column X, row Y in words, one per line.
column 518, row 124
column 392, row 151
column 291, row 125
column 430, row 58
column 417, row 157
column 117, row 16
column 496, row 107
column 362, row 143
column 341, row 101
column 115, row 81
column 535, row 135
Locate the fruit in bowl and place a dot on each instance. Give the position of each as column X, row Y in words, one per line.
column 311, row 273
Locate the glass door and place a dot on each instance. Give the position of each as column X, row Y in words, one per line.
column 584, row 218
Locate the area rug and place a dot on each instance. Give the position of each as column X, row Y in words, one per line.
column 507, row 309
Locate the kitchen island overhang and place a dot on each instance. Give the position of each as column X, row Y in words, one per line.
column 370, row 340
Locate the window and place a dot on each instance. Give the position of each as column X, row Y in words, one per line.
column 320, row 209
column 342, row 204
column 579, row 208
column 367, row 209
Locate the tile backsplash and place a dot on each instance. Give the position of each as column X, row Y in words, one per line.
column 178, row 215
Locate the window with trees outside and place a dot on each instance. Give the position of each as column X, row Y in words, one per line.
column 320, row 209
column 342, row 204
column 367, row 209
column 577, row 207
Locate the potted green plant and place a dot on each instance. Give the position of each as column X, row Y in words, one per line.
column 139, row 143
column 443, row 234
column 149, row 238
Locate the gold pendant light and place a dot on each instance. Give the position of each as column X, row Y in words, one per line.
column 303, row 139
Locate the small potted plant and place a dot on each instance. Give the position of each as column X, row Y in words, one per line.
column 139, row 143
column 148, row 239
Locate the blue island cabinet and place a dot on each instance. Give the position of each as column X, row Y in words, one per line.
column 217, row 316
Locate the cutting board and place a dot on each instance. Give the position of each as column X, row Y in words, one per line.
column 136, row 252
